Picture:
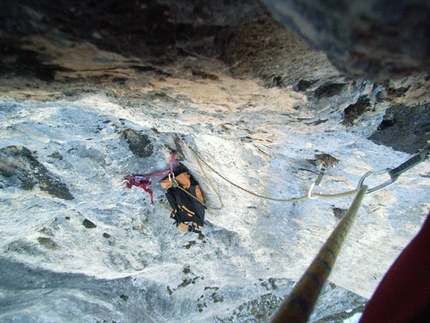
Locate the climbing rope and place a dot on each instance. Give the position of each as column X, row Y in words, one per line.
column 310, row 195
column 144, row 180
column 209, row 181
column 299, row 304
column 394, row 174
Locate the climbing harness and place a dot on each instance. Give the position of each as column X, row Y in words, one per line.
column 396, row 172
column 144, row 181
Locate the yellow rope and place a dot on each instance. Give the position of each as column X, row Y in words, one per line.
column 298, row 306
column 199, row 160
column 334, row 196
column 207, row 206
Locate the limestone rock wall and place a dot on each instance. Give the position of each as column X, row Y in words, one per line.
column 92, row 92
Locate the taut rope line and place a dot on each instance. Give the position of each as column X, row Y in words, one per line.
column 328, row 196
column 299, row 304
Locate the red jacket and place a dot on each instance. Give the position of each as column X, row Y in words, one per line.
column 403, row 295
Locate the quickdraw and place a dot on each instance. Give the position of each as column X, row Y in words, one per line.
column 298, row 305
column 396, row 172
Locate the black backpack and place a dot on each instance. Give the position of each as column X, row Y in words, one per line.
column 186, row 199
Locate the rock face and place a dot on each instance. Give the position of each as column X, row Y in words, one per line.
column 18, row 167
column 399, row 128
column 92, row 92
column 371, row 39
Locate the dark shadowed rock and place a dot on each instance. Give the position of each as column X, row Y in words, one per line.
column 366, row 38
column 354, row 111
column 139, row 143
column 404, row 128
column 19, row 168
column 48, row 243
column 329, row 90
column 371, row 39
column 88, row 224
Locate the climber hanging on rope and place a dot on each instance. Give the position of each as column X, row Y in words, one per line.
column 182, row 192
column 185, row 197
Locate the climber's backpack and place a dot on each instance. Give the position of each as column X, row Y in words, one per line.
column 186, row 199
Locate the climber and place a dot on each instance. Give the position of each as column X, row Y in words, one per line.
column 182, row 192
column 185, row 197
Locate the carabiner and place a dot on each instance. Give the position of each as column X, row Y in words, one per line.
column 173, row 180
column 323, row 170
column 378, row 187
column 415, row 160
column 310, row 192
column 171, row 177
column 396, row 172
